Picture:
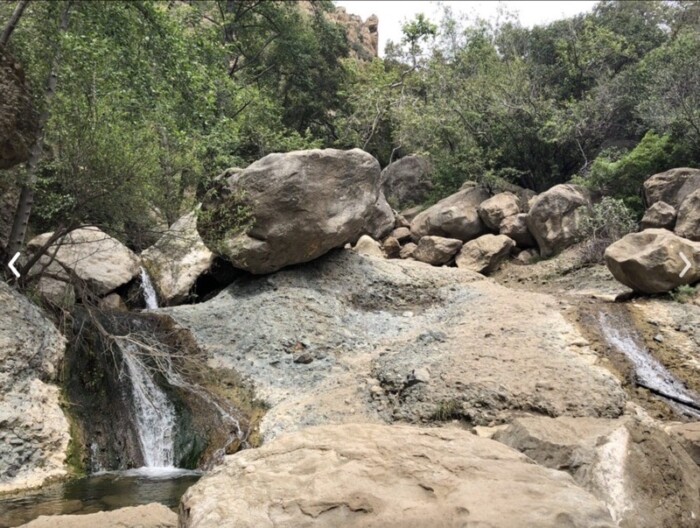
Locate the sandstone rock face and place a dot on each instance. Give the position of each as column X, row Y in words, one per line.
column 96, row 258
column 555, row 217
column 34, row 434
column 152, row 515
column 176, row 261
column 453, row 217
column 485, row 253
column 302, row 204
column 407, row 181
column 368, row 246
column 651, row 262
column 496, row 208
column 436, row 250
column 660, row 215
column 364, row 475
column 644, row 476
column 369, row 324
column 671, row 186
column 515, row 227
column 407, row 250
column 688, row 224
column 18, row 118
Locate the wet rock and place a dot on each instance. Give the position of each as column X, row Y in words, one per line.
column 497, row 208
column 35, row 431
column 177, row 260
column 361, row 475
column 515, row 227
column 407, row 181
column 555, row 217
column 152, row 515
column 651, row 262
column 456, row 216
column 485, row 253
column 644, row 476
column 659, row 215
column 368, row 246
column 688, row 224
column 671, row 186
column 436, row 250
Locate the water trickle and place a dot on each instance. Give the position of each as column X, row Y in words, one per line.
column 154, row 413
column 149, row 292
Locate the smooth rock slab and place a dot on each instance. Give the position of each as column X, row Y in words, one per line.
column 152, row 515
column 374, row 476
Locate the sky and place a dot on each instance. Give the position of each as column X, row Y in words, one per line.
column 393, row 13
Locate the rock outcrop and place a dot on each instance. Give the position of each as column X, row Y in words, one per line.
column 298, row 206
column 671, row 186
column 651, row 261
column 152, row 515
column 407, row 181
column 497, row 208
column 659, row 216
column 34, row 433
column 688, row 223
column 456, row 216
column 436, row 250
column 555, row 217
column 89, row 255
column 485, row 254
column 644, row 476
column 366, row 475
column 18, row 118
column 177, row 260
column 515, row 227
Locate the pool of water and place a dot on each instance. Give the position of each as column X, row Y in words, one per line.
column 100, row 492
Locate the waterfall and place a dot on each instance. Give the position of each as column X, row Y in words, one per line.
column 154, row 413
column 149, row 293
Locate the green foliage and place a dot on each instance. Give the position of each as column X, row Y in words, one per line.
column 224, row 215
column 683, row 294
column 447, row 410
column 606, row 222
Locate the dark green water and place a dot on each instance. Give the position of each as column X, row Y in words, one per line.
column 103, row 492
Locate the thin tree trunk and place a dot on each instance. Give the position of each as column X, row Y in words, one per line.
column 12, row 23
column 26, row 199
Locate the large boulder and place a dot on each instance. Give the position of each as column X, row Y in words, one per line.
column 177, row 260
column 367, row 324
column 456, row 216
column 688, row 223
column 555, row 217
column 496, row 208
column 407, row 181
column 90, row 255
column 368, row 246
column 650, row 261
column 436, row 250
column 645, row 477
column 671, row 186
column 34, row 433
column 382, row 220
column 18, row 118
column 365, row 475
column 515, row 227
column 485, row 253
column 152, row 515
column 660, row 215
column 293, row 208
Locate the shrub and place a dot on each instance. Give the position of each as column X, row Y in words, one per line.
column 683, row 294
column 608, row 221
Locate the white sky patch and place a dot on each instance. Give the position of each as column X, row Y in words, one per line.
column 392, row 14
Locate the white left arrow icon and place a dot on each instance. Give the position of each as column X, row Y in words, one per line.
column 688, row 264
column 11, row 265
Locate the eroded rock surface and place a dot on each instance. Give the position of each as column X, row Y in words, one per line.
column 364, row 475
column 660, row 215
column 456, row 216
column 688, row 223
column 671, row 186
column 485, row 254
column 152, row 515
column 496, row 208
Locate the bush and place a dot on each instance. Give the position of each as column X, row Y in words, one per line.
column 606, row 222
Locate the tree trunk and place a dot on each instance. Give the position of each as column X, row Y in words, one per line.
column 26, row 199
column 12, row 23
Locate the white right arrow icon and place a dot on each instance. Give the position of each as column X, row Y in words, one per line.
column 688, row 264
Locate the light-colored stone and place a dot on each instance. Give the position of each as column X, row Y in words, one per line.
column 671, row 186
column 644, row 476
column 55, row 291
column 453, row 217
column 368, row 246
column 555, row 217
column 402, row 234
column 436, row 250
column 152, row 515
column 688, row 434
column 408, row 250
column 485, row 253
column 366, row 475
column 407, row 181
column 651, row 262
column 101, row 262
column 113, row 301
column 382, row 219
column 688, row 223
column 527, row 256
column 410, row 213
column 302, row 204
column 660, row 215
column 496, row 208
column 177, row 260
column 515, row 227
column 34, row 433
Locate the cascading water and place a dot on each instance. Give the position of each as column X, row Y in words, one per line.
column 149, row 292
